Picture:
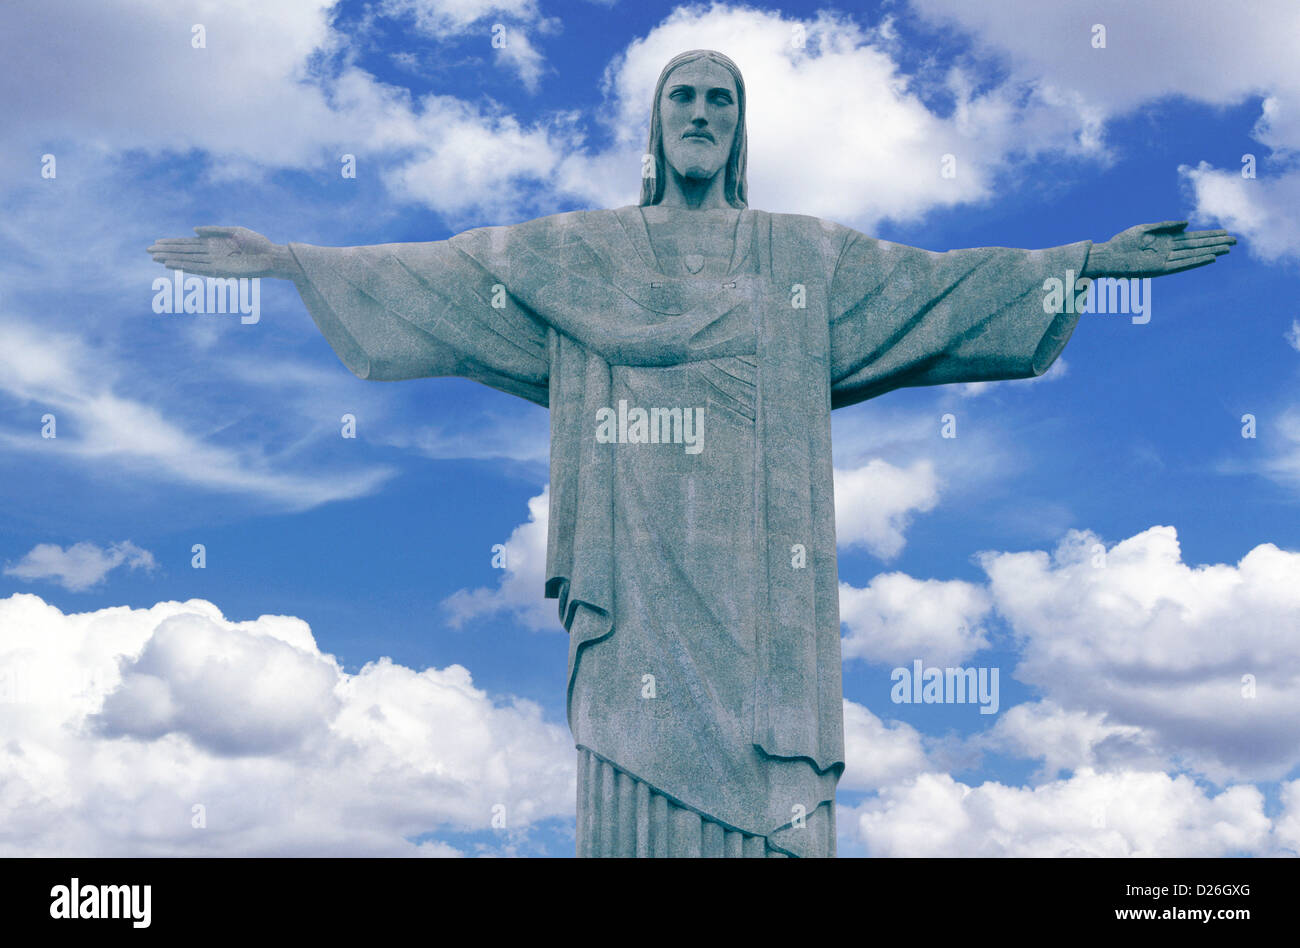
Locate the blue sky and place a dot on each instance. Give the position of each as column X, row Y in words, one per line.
column 430, row 686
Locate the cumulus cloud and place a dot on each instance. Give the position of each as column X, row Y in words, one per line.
column 1155, row 673
column 878, row 754
column 522, row 562
column 1068, row 741
column 879, row 147
column 1130, row 813
column 905, row 449
column 175, row 731
column 191, row 667
column 81, row 565
column 1202, row 658
column 897, row 619
column 478, row 163
column 874, row 503
column 1261, row 209
column 1143, row 662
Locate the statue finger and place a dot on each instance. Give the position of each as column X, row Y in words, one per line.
column 187, row 261
column 215, row 230
column 1193, row 253
column 201, row 268
column 1192, row 242
column 1190, row 264
column 185, row 246
column 179, row 251
column 1165, row 227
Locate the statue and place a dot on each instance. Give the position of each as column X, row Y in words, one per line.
column 690, row 351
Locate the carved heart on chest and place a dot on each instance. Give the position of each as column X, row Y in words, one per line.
column 694, row 262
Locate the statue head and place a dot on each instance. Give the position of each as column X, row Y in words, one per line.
column 697, row 125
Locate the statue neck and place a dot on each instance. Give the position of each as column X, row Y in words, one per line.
column 695, row 193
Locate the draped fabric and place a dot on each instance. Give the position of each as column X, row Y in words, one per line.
column 620, row 816
column 680, row 569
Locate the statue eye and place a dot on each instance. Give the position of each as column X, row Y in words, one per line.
column 680, row 95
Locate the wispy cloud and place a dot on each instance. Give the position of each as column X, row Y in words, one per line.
column 60, row 375
column 81, row 565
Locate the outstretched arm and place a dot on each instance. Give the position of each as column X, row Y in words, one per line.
column 1151, row 250
column 226, row 252
column 393, row 311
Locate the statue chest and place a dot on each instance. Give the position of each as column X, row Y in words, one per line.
column 693, row 248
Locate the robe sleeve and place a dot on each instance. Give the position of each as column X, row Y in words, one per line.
column 900, row 316
column 401, row 311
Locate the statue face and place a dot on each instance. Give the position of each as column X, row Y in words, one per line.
column 698, row 114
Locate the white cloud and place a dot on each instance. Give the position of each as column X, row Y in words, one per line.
column 1262, row 210
column 1131, row 813
column 1165, row 646
column 1286, row 831
column 57, row 373
column 258, row 91
column 445, row 18
column 1159, row 49
column 1281, row 457
column 474, row 161
column 1053, row 43
column 911, row 443
column 241, row 96
column 897, row 619
column 522, row 436
column 1068, row 741
column 523, row 577
column 1293, row 335
column 836, row 127
column 119, row 722
column 875, row 503
column 878, row 754
column 191, row 667
column 81, row 565
column 1147, row 667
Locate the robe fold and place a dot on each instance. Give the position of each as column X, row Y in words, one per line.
column 699, row 590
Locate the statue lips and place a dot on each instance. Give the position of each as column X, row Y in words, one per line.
column 699, row 133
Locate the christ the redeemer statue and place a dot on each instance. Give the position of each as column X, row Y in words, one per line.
column 691, row 350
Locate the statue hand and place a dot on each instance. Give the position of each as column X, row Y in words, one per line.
column 1149, row 250
column 225, row 252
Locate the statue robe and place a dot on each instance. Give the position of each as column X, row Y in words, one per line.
column 699, row 590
